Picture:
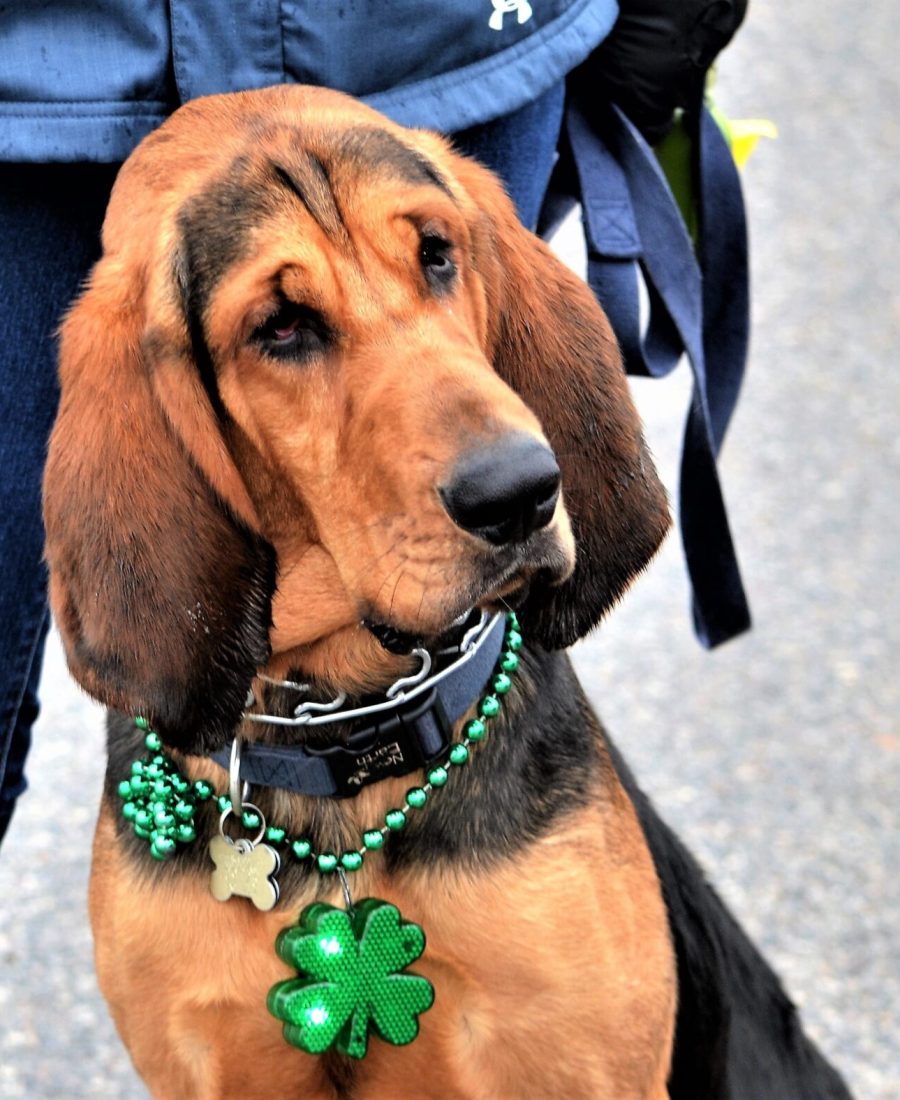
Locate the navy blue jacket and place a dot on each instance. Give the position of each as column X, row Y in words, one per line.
column 87, row 79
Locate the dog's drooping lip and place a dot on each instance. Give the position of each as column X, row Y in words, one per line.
column 401, row 643
column 505, row 588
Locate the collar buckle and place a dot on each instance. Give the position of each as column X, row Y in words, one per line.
column 410, row 736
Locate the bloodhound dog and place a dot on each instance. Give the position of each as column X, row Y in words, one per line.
column 322, row 400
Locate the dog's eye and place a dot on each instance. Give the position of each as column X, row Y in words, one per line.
column 436, row 257
column 294, row 331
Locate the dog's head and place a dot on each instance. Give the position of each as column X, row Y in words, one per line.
column 320, row 377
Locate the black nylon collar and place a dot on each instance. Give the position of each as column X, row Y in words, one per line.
column 412, row 731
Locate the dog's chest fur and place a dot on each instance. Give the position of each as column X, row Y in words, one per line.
column 547, row 940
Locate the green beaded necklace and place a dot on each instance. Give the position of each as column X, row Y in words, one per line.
column 351, row 963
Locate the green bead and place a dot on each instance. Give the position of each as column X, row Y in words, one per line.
column 489, row 707
column 395, row 820
column 326, row 862
column 475, row 730
column 142, row 832
column 162, row 847
column 184, row 810
column 438, row 776
column 416, row 797
column 124, row 788
column 512, row 620
column 373, row 839
column 459, row 753
column 162, row 788
column 223, row 802
column 157, row 807
column 301, row 848
column 137, row 767
column 514, row 640
column 129, row 811
column 202, row 789
column 139, row 785
column 501, row 683
column 143, row 819
column 185, row 833
column 141, row 723
column 153, row 772
column 153, row 742
column 180, row 785
column 165, row 822
column 509, row 661
column 351, row 861
column 274, row 835
column 250, row 819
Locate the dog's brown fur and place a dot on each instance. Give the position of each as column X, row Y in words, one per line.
column 188, row 465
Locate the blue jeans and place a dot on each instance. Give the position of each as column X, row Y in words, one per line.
column 50, row 218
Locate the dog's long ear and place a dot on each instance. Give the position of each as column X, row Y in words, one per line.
column 160, row 585
column 552, row 343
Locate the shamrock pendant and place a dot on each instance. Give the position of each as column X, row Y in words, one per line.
column 350, row 979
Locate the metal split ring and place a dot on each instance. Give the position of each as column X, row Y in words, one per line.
column 243, row 843
column 237, row 791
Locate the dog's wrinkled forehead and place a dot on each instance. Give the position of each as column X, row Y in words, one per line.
column 214, row 225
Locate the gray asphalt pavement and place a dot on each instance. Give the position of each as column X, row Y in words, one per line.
column 776, row 757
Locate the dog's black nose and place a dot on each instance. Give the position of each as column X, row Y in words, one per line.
column 504, row 492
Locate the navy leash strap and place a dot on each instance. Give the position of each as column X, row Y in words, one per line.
column 634, row 228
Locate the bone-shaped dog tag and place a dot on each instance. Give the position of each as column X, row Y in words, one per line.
column 244, row 869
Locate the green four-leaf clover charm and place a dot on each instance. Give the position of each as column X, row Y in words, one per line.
column 350, row 978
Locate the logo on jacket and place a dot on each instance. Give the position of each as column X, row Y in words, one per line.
column 505, row 7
